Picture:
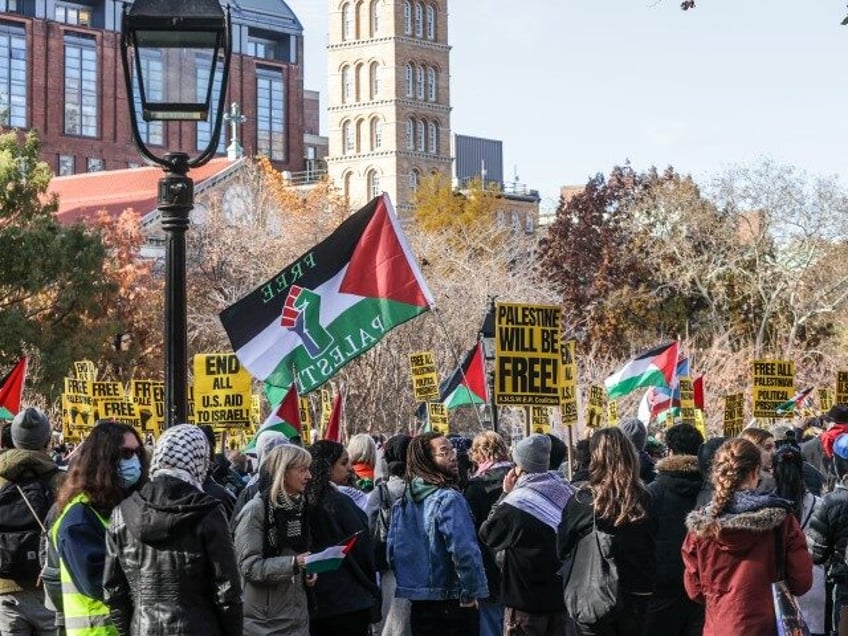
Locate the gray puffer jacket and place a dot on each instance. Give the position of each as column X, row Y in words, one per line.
column 275, row 602
column 170, row 566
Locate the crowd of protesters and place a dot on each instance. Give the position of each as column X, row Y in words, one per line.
column 666, row 535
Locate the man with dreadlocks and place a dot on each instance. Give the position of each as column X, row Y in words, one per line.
column 432, row 545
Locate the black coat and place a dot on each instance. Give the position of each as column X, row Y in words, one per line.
column 482, row 493
column 632, row 543
column 353, row 587
column 675, row 491
column 531, row 579
column 170, row 564
column 827, row 532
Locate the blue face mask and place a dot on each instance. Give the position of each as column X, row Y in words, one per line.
column 129, row 471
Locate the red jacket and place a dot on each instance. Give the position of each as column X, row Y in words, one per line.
column 732, row 575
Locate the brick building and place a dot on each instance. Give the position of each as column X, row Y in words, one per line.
column 61, row 74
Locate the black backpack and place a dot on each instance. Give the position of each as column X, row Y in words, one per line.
column 23, row 508
column 380, row 532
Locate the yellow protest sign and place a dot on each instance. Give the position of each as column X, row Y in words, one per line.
column 527, row 355
column 596, row 406
column 700, row 423
column 221, row 390
column 255, row 409
column 149, row 399
column 111, row 403
column 568, row 383
column 326, row 408
column 687, row 400
column 77, row 412
column 842, row 387
column 190, row 406
column 774, row 384
column 305, row 411
column 612, row 413
column 85, row 370
column 734, row 414
column 437, row 414
column 825, row 399
column 425, row 379
column 540, row 419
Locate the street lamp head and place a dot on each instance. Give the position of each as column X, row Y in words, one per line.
column 177, row 47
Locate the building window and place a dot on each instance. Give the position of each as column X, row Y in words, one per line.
column 375, row 18
column 204, row 128
column 420, row 129
column 347, row 85
column 413, row 180
column 419, row 82
column 373, row 184
column 431, row 22
column 347, row 181
column 80, row 87
column 376, row 80
column 270, row 110
column 66, row 165
column 409, row 81
column 95, row 164
column 8, row 6
column 348, row 145
column 13, row 76
column 151, row 132
column 431, row 84
column 262, row 48
column 359, row 87
column 347, row 22
column 419, row 20
column 359, row 140
column 69, row 13
column 376, row 134
column 407, row 17
column 433, row 137
column 410, row 134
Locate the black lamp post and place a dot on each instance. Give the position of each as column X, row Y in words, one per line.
column 487, row 337
column 184, row 35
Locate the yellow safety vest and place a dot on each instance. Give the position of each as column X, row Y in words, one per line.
column 84, row 616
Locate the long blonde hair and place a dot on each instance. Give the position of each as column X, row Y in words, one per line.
column 275, row 465
column 735, row 460
column 617, row 491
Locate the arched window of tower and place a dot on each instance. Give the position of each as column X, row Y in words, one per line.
column 347, row 22
column 347, row 85
column 419, row 82
column 374, row 18
column 431, row 84
column 419, row 20
column 410, row 134
column 407, row 17
column 431, row 22
column 409, row 82
column 376, row 80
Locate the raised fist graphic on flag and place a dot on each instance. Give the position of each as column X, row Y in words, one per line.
column 302, row 314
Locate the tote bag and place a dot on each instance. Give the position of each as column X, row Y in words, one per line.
column 590, row 579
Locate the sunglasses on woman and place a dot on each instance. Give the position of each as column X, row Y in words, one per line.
column 129, row 453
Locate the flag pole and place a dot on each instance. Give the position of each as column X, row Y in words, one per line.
column 438, row 315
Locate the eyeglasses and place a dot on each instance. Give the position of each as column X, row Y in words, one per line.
column 447, row 453
column 129, row 453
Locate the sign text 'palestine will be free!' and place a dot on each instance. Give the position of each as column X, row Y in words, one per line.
column 527, row 352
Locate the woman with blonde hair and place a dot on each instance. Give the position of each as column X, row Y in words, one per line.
column 614, row 502
column 737, row 546
column 272, row 542
column 362, row 450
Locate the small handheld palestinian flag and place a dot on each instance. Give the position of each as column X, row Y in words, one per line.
column 794, row 402
column 655, row 367
column 331, row 305
column 330, row 559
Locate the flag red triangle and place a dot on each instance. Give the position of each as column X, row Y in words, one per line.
column 379, row 266
column 12, row 386
column 666, row 361
column 475, row 373
column 334, row 428
column 289, row 409
column 698, row 390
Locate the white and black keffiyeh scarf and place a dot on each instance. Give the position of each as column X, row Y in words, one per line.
column 182, row 452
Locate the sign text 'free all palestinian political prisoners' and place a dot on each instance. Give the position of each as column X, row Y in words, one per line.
column 527, row 354
column 774, row 384
column 425, row 379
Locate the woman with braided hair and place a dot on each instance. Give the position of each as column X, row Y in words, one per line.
column 730, row 554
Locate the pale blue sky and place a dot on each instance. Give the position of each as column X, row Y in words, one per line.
column 573, row 87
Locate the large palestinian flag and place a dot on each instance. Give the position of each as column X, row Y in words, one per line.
column 467, row 384
column 655, row 367
column 331, row 305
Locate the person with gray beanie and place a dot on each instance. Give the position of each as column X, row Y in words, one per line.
column 636, row 432
column 21, row 600
column 170, row 564
column 522, row 530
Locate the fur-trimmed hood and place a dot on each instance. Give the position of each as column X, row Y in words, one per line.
column 678, row 464
column 736, row 531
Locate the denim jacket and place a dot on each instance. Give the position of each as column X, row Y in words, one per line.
column 432, row 546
